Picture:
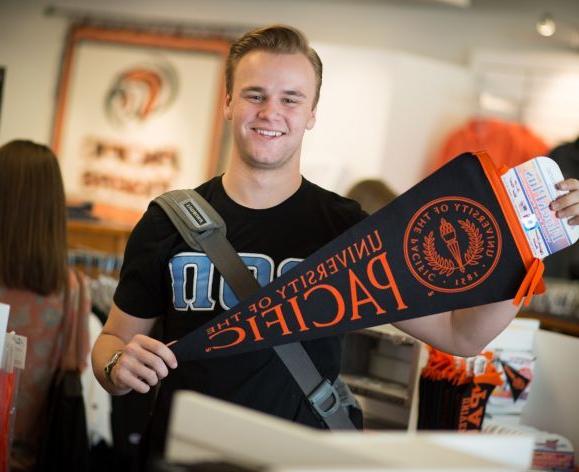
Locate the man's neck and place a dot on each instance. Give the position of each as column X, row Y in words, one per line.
column 260, row 188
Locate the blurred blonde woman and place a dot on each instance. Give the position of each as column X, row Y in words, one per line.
column 371, row 194
column 35, row 281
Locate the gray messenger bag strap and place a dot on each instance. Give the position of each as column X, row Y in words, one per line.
column 202, row 228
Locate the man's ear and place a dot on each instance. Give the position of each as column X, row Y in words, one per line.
column 227, row 108
column 312, row 119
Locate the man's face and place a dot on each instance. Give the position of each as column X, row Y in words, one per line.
column 270, row 107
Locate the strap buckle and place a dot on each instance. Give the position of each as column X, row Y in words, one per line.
column 320, row 395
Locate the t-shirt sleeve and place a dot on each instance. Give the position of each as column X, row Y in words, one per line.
column 347, row 214
column 140, row 289
column 356, row 214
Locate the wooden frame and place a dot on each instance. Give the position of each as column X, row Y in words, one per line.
column 2, row 76
column 139, row 43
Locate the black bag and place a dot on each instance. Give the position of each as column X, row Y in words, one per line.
column 65, row 443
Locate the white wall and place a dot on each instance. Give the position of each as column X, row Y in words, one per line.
column 431, row 98
column 30, row 49
column 349, row 139
column 537, row 89
column 552, row 402
column 380, row 115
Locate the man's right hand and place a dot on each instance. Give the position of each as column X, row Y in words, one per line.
column 143, row 363
column 144, row 360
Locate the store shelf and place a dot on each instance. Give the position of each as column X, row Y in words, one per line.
column 105, row 237
column 389, row 332
column 381, row 365
column 377, row 389
column 566, row 325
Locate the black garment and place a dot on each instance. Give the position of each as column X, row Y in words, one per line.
column 163, row 277
column 565, row 263
column 65, row 443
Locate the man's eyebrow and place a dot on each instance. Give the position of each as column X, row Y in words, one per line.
column 258, row 89
column 295, row 93
column 253, row 88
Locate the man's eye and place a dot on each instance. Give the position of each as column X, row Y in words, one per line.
column 255, row 98
column 289, row 101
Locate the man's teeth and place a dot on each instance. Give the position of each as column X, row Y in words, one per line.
column 271, row 134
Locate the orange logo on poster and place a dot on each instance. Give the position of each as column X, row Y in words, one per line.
column 141, row 91
column 452, row 244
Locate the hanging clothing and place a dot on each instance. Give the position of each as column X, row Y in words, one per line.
column 507, row 143
column 97, row 401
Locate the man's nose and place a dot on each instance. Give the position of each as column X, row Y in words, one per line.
column 269, row 109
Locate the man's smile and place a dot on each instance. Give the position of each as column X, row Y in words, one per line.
column 269, row 133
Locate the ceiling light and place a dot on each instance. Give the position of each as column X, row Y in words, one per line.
column 546, row 25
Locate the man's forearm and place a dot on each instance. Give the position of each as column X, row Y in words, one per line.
column 474, row 328
column 464, row 332
column 104, row 348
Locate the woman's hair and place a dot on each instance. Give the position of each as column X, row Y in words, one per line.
column 32, row 219
column 371, row 194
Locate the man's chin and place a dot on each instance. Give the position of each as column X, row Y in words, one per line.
column 266, row 163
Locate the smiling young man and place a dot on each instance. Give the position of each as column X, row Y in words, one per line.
column 275, row 218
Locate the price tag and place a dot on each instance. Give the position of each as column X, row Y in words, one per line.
column 4, row 311
column 19, row 346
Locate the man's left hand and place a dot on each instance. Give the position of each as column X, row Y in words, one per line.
column 567, row 206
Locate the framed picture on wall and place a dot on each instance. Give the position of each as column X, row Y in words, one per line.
column 138, row 114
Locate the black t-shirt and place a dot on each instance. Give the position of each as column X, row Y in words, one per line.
column 163, row 277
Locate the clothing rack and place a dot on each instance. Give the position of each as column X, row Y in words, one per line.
column 94, row 262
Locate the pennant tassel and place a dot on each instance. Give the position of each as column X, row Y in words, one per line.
column 532, row 283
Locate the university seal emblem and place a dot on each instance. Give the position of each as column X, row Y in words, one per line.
column 452, row 244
